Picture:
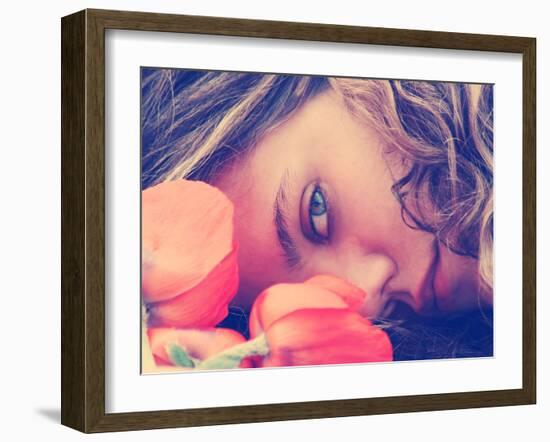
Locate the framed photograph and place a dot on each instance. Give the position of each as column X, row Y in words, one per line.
column 270, row 220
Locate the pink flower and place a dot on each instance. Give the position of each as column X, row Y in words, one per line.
column 319, row 291
column 318, row 336
column 315, row 323
column 189, row 264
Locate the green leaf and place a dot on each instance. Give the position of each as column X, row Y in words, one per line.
column 179, row 356
column 232, row 357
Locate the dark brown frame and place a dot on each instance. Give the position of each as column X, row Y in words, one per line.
column 83, row 220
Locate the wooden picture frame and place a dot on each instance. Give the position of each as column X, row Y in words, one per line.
column 83, row 220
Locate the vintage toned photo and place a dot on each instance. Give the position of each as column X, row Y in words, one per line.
column 296, row 220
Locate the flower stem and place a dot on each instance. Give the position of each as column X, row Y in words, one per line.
column 232, row 357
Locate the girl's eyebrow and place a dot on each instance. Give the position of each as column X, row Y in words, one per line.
column 280, row 219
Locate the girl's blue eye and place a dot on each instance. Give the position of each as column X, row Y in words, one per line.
column 318, row 215
column 317, row 205
column 315, row 213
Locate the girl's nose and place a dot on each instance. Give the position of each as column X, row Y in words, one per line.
column 371, row 272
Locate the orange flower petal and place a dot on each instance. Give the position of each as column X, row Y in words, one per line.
column 281, row 299
column 325, row 336
column 352, row 295
column 204, row 305
column 197, row 343
column 187, row 229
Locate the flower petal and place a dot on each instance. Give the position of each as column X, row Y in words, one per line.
column 325, row 336
column 187, row 229
column 352, row 295
column 281, row 299
column 197, row 343
column 204, row 305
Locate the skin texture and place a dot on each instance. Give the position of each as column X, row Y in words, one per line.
column 368, row 243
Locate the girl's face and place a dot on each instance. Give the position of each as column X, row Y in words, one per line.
column 314, row 196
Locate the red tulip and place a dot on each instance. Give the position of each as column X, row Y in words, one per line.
column 318, row 336
column 281, row 299
column 315, row 323
column 205, row 304
column 321, row 291
column 189, row 263
column 198, row 344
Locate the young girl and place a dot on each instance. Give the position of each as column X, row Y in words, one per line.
column 384, row 183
